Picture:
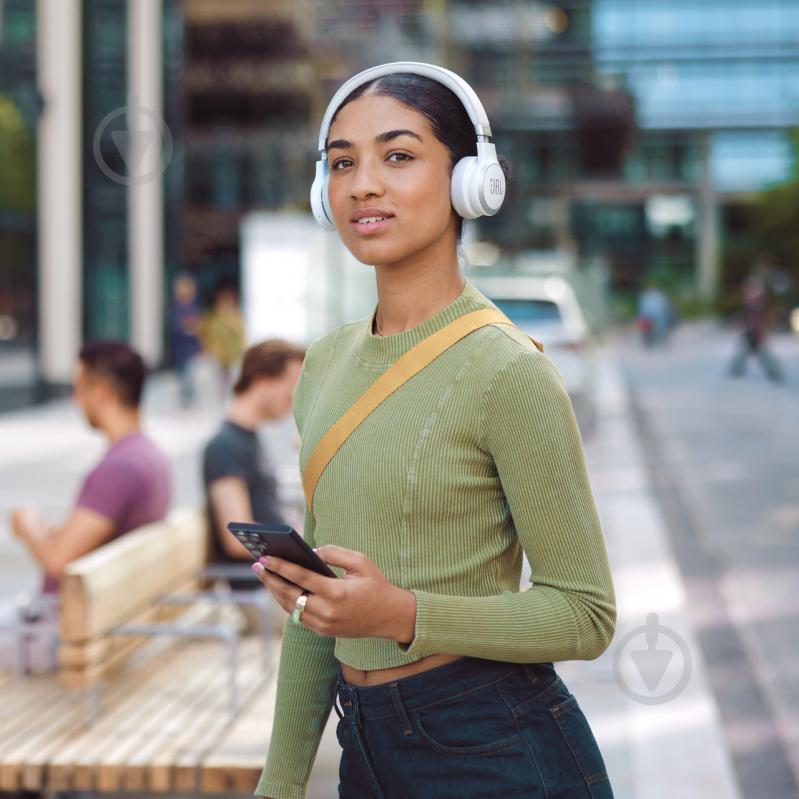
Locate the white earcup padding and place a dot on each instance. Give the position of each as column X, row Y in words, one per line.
column 461, row 180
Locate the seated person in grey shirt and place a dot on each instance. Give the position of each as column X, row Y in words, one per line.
column 239, row 482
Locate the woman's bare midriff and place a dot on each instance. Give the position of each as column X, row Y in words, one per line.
column 363, row 678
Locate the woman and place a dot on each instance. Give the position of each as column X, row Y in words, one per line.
column 439, row 668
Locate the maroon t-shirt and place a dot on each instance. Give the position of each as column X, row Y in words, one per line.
column 131, row 486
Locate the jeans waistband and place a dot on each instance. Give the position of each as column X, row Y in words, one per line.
column 417, row 691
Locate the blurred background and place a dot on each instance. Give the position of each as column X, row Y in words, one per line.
column 649, row 141
column 650, row 236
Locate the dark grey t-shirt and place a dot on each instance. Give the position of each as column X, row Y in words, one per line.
column 235, row 451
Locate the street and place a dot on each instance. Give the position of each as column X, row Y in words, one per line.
column 695, row 479
column 723, row 454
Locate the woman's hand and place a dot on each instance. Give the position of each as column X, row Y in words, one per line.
column 361, row 603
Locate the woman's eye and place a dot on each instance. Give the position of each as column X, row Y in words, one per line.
column 344, row 163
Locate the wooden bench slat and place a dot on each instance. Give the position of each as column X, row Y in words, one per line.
column 209, row 702
column 139, row 727
column 176, row 691
column 158, row 729
column 72, row 766
column 23, row 697
column 236, row 762
column 161, row 771
column 31, row 724
column 52, row 699
column 188, row 764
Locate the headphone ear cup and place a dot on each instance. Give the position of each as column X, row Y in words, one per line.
column 461, row 190
column 477, row 187
column 319, row 203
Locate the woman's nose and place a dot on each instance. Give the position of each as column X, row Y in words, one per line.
column 365, row 182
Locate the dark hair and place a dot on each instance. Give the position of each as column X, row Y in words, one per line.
column 118, row 362
column 439, row 105
column 267, row 359
column 225, row 286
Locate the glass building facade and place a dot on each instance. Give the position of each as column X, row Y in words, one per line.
column 106, row 283
column 716, row 93
column 636, row 129
column 101, row 58
column 727, row 66
column 247, row 86
column 628, row 125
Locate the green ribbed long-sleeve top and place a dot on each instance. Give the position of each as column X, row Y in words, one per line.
column 473, row 460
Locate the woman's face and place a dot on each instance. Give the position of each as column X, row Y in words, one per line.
column 389, row 182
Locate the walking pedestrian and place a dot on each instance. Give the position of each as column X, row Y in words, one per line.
column 655, row 315
column 185, row 329
column 438, row 445
column 754, row 332
column 222, row 333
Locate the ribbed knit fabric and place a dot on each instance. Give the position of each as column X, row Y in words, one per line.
column 474, row 459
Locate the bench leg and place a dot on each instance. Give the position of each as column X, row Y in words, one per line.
column 93, row 701
column 21, row 665
column 261, row 602
column 233, row 665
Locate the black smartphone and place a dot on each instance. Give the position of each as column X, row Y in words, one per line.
column 279, row 540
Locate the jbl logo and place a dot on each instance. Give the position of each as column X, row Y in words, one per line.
column 495, row 186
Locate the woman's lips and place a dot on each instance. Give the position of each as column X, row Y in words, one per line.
column 372, row 224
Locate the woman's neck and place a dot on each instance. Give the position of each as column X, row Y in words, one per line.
column 410, row 295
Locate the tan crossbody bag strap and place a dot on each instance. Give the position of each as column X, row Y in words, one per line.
column 404, row 368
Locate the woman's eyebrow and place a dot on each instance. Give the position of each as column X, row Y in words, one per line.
column 382, row 138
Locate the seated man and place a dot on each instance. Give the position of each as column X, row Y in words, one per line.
column 129, row 487
column 239, row 482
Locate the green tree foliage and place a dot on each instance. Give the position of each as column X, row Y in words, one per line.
column 17, row 160
column 775, row 219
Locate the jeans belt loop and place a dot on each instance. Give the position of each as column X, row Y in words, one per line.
column 529, row 670
column 407, row 727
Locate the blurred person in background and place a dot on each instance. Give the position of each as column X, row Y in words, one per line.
column 754, row 322
column 222, row 332
column 184, row 329
column 240, row 484
column 129, row 487
column 656, row 315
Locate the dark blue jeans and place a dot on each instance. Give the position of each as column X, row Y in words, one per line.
column 470, row 729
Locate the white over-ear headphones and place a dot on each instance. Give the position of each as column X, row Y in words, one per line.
column 477, row 187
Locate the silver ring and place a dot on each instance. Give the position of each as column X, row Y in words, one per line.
column 299, row 606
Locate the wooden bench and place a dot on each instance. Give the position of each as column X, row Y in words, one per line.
column 179, row 711
column 164, row 727
column 142, row 590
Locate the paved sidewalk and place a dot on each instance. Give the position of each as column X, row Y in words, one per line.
column 673, row 749
column 723, row 455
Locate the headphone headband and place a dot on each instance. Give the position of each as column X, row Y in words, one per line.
column 457, row 85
